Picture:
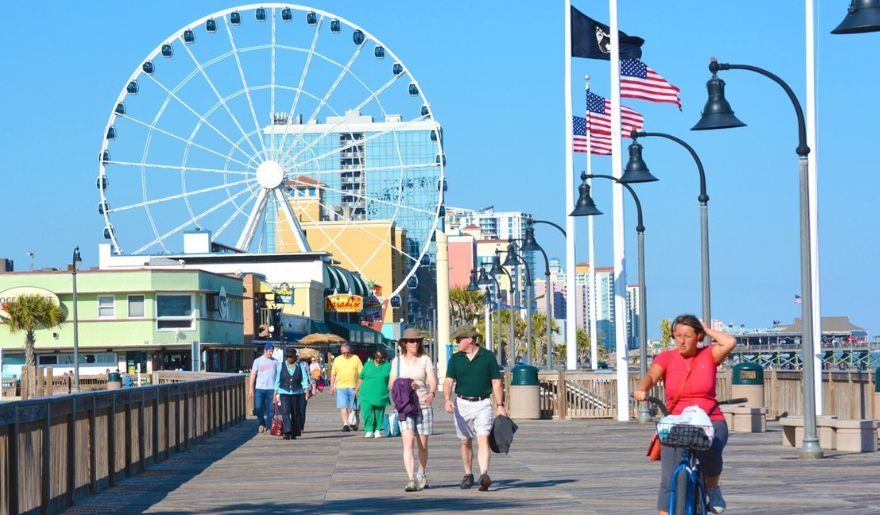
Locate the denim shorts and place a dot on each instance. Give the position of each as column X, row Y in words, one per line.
column 345, row 398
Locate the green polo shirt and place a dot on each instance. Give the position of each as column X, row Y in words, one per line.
column 473, row 378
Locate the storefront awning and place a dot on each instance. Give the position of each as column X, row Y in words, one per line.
column 318, row 326
column 341, row 280
column 355, row 333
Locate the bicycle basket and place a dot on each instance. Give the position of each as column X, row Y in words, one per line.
column 685, row 436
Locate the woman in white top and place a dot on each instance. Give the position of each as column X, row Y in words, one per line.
column 413, row 363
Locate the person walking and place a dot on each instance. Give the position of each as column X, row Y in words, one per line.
column 688, row 372
column 474, row 372
column 343, row 379
column 311, row 391
column 262, row 387
column 372, row 393
column 291, row 382
column 414, row 364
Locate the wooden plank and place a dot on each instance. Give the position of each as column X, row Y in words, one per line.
column 179, row 390
column 187, row 400
column 155, row 425
column 72, row 445
column 12, row 472
column 111, row 442
column 128, row 442
column 46, row 466
column 93, row 451
column 167, row 448
column 141, row 432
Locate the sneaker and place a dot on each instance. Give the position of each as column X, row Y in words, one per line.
column 411, row 487
column 346, row 429
column 485, row 482
column 261, row 429
column 286, row 436
column 368, row 434
column 353, row 428
column 716, row 502
column 467, row 481
column 378, row 434
column 421, row 480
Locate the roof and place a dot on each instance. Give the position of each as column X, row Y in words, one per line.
column 304, row 179
column 831, row 324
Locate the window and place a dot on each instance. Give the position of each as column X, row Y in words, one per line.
column 174, row 311
column 135, row 306
column 106, row 308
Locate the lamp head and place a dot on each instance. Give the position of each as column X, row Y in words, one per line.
column 496, row 264
column 636, row 170
column 862, row 16
column 529, row 244
column 472, row 285
column 512, row 258
column 76, row 257
column 484, row 281
column 717, row 113
column 585, row 205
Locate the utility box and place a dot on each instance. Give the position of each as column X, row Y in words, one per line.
column 748, row 381
column 525, row 395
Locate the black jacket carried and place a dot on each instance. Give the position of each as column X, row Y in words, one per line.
column 502, row 434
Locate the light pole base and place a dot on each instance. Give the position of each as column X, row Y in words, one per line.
column 811, row 451
column 644, row 414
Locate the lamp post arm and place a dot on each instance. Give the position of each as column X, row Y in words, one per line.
column 803, row 149
column 641, row 226
column 533, row 221
column 704, row 196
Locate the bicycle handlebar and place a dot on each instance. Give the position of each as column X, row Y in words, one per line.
column 662, row 405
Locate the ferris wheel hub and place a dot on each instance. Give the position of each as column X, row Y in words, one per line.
column 270, row 174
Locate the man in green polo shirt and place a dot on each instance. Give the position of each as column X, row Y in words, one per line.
column 475, row 373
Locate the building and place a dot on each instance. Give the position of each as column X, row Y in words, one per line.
column 367, row 194
column 136, row 320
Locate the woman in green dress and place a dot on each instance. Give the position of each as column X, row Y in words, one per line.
column 372, row 394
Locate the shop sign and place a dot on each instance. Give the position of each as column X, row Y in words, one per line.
column 9, row 295
column 344, row 303
column 283, row 294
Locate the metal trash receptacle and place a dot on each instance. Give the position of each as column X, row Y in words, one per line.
column 748, row 381
column 114, row 381
column 525, row 396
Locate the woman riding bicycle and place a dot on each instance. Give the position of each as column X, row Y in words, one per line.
column 688, row 372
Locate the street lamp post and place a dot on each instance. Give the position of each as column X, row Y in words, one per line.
column 637, row 171
column 488, row 278
column 530, row 245
column 76, row 259
column 514, row 259
column 586, row 207
column 497, row 269
column 717, row 114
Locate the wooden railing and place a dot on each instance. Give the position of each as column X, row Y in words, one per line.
column 846, row 395
column 54, row 450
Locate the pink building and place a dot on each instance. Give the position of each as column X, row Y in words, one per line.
column 462, row 259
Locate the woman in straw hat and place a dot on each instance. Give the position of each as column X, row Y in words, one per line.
column 413, row 363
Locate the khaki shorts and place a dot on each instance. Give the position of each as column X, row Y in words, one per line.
column 473, row 418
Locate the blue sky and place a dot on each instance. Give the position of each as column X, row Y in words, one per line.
column 493, row 72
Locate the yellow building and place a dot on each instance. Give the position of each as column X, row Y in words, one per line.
column 372, row 247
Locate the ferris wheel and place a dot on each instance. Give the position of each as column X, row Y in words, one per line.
column 278, row 128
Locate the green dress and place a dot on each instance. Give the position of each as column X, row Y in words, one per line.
column 374, row 389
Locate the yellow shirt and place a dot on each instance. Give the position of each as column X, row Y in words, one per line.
column 346, row 371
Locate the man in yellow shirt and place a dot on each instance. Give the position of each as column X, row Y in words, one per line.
column 343, row 379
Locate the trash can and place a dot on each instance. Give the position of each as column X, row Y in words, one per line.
column 114, row 381
column 748, row 381
column 524, row 392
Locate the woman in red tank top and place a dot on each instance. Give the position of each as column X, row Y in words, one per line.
column 688, row 373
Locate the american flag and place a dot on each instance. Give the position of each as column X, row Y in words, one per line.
column 797, row 299
column 600, row 145
column 637, row 80
column 600, row 116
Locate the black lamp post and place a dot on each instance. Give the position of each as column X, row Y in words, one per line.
column 586, row 207
column 485, row 284
column 498, row 269
column 76, row 259
column 862, row 16
column 718, row 115
column 637, row 171
column 529, row 244
column 514, row 259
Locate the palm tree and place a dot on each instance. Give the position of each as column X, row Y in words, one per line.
column 29, row 312
column 665, row 331
column 470, row 303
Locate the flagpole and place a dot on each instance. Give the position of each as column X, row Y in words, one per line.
column 594, row 299
column 622, row 364
column 812, row 162
column 570, row 232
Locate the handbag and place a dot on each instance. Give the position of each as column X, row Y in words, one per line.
column 654, row 447
column 277, row 423
column 353, row 417
column 392, row 425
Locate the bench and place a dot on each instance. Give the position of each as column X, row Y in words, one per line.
column 743, row 419
column 848, row 435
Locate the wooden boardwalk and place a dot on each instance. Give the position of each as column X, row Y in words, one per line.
column 553, row 467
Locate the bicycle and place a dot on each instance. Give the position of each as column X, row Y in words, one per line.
column 687, row 487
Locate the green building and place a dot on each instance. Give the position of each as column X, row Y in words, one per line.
column 134, row 320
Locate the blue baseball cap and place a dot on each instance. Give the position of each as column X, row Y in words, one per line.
column 269, row 346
